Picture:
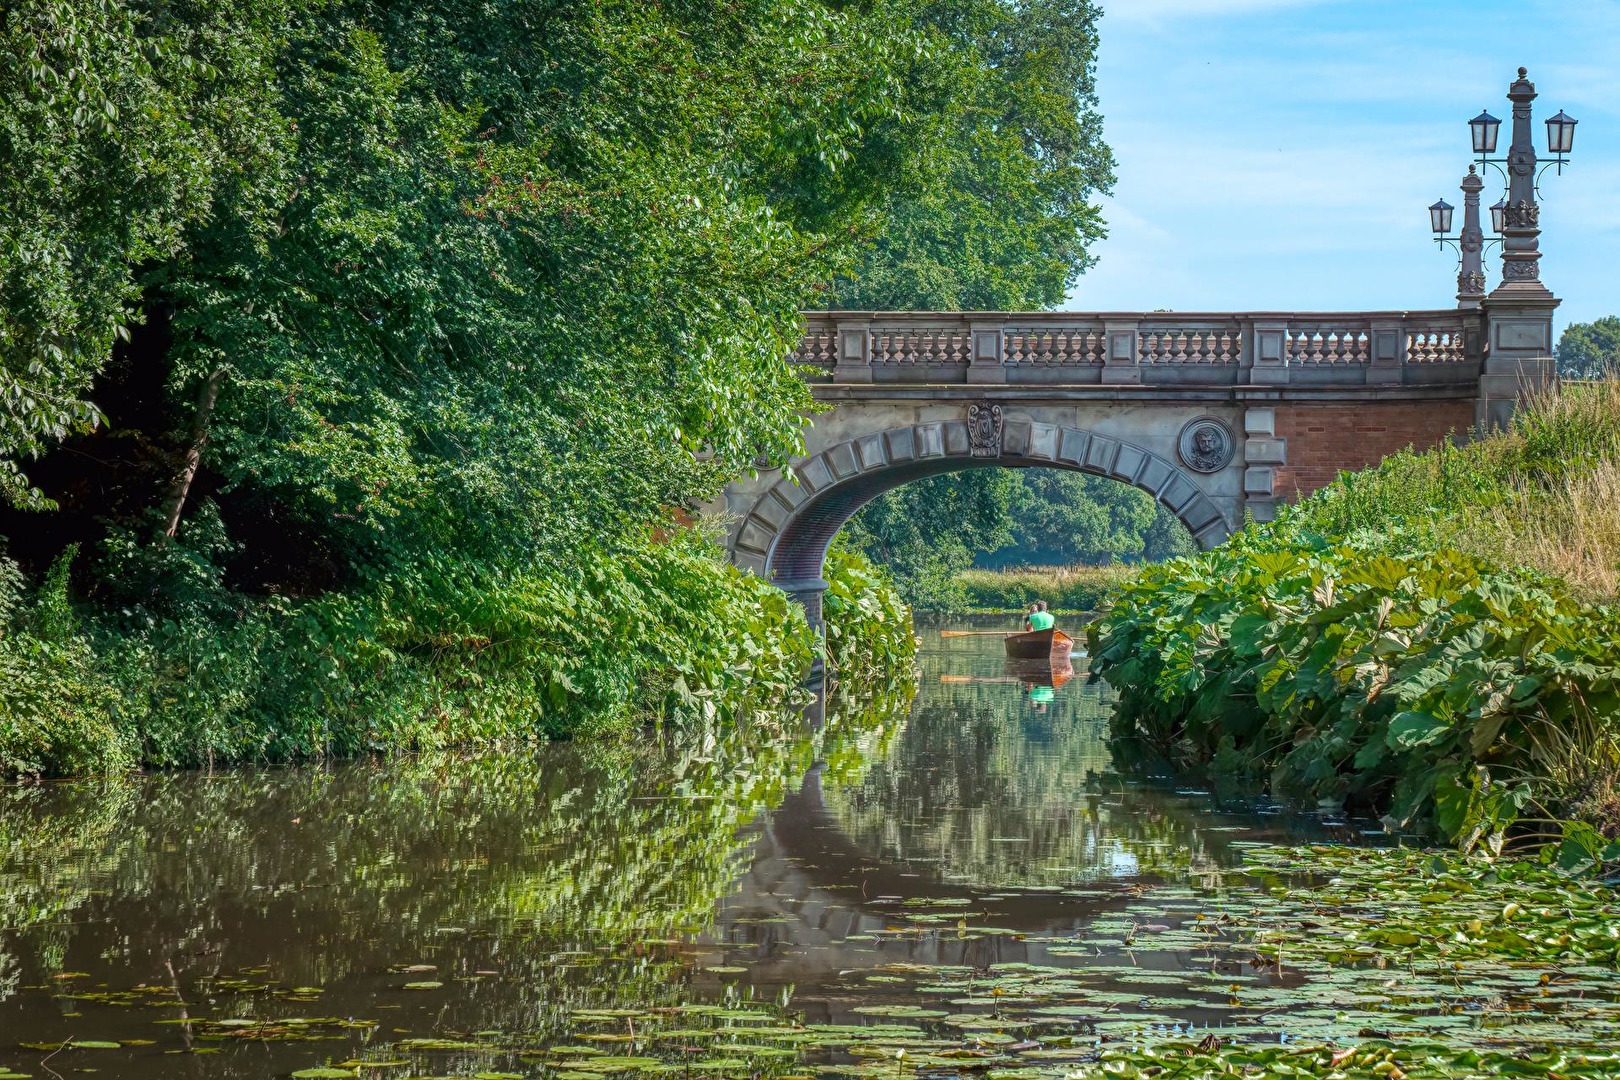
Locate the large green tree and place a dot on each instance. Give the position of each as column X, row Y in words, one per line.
column 1000, row 218
column 1002, row 212
column 119, row 124
column 422, row 316
column 1590, row 350
column 429, row 277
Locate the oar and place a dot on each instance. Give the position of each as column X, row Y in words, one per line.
column 978, row 678
column 975, row 633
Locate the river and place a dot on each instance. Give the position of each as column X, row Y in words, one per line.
column 633, row 902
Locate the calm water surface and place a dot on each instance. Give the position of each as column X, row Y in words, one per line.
column 438, row 898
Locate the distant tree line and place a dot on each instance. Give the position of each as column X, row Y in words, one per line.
column 1590, row 350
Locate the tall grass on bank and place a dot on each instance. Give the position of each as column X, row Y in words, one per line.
column 1064, row 588
column 1542, row 494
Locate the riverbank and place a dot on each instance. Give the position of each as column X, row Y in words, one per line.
column 667, row 632
column 1432, row 639
column 1067, row 590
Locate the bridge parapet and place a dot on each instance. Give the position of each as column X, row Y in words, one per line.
column 1264, row 348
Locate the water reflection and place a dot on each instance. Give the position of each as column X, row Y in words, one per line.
column 514, row 890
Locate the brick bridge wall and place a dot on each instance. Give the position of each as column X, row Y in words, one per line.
column 1322, row 440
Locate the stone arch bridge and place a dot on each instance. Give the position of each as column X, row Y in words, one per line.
column 1217, row 416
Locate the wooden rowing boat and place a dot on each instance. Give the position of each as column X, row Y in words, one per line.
column 1049, row 645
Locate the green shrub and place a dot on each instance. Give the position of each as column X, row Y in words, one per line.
column 1064, row 588
column 663, row 632
column 1431, row 683
column 55, row 706
column 869, row 633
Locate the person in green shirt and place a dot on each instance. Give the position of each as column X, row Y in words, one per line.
column 1040, row 618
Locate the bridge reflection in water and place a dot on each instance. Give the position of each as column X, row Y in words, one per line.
column 982, row 804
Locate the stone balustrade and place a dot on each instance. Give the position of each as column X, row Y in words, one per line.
column 1266, row 348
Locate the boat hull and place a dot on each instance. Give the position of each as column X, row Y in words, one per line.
column 1049, row 645
column 1046, row 671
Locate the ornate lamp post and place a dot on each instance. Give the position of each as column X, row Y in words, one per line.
column 1515, row 218
column 1516, row 317
column 1471, row 242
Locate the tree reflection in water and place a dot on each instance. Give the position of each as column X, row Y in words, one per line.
column 672, row 868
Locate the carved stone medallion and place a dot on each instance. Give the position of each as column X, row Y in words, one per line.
column 1206, row 445
column 984, row 429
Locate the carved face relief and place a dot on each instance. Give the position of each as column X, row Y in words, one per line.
column 1206, row 445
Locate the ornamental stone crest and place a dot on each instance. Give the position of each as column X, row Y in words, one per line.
column 1206, row 445
column 1471, row 282
column 984, row 420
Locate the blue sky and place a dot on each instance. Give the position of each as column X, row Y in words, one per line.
column 1281, row 154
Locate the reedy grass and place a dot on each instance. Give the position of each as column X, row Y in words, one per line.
column 1543, row 494
column 1064, row 588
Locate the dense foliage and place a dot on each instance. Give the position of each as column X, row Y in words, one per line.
column 1431, row 636
column 1450, row 692
column 1590, row 350
column 869, row 637
column 933, row 531
column 999, row 215
column 364, row 351
column 668, row 632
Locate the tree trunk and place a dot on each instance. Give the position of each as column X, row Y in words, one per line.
column 178, row 492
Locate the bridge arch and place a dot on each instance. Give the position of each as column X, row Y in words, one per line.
column 785, row 534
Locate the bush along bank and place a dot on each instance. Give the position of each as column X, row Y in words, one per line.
column 870, row 644
column 659, row 632
column 1472, row 701
column 1069, row 589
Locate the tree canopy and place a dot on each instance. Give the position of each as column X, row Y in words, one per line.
column 378, row 345
column 1001, row 218
column 1590, row 350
